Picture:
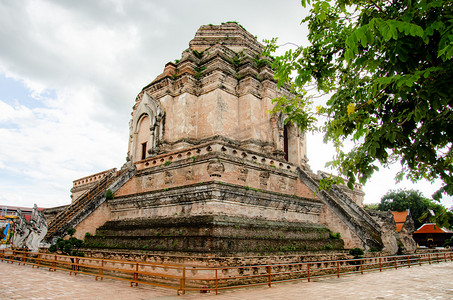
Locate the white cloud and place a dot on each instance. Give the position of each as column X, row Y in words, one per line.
column 12, row 114
column 54, row 145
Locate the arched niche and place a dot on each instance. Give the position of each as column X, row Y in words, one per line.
column 145, row 128
column 290, row 140
column 142, row 137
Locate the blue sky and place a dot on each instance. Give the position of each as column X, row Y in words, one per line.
column 70, row 72
column 14, row 92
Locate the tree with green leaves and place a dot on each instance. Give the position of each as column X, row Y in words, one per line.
column 401, row 200
column 386, row 67
column 449, row 242
column 70, row 246
column 423, row 210
column 438, row 214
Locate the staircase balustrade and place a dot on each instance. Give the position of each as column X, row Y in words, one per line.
column 63, row 218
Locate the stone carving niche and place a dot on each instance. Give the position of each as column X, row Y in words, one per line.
column 146, row 128
column 215, row 169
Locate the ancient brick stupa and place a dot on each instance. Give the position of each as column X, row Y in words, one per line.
column 211, row 170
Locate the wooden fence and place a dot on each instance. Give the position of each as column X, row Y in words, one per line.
column 206, row 279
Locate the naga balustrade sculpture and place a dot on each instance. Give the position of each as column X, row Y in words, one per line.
column 29, row 234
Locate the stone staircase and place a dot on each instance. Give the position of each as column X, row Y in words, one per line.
column 83, row 206
column 354, row 216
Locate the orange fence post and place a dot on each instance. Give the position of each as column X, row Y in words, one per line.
column 216, row 282
column 308, row 272
column 396, row 264
column 39, row 260
column 136, row 276
column 182, row 282
column 429, row 258
column 380, row 264
column 72, row 266
column 53, row 264
column 338, row 269
column 361, row 266
column 269, row 276
column 408, row 262
column 102, row 270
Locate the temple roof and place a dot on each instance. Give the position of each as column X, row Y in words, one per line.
column 400, row 218
column 431, row 228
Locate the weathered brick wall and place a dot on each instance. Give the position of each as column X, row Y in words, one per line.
column 225, row 90
column 211, row 260
column 220, row 161
column 215, row 198
column 96, row 219
column 329, row 219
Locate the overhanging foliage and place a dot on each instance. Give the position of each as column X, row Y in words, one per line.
column 387, row 66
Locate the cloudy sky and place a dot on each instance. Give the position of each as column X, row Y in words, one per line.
column 70, row 72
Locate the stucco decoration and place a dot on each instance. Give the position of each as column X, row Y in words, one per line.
column 22, row 230
column 280, row 117
column 264, row 178
column 146, row 106
column 215, row 169
column 243, row 172
column 30, row 234
column 168, row 177
column 189, row 174
column 38, row 230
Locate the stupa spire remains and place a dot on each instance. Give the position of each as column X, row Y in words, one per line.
column 230, row 34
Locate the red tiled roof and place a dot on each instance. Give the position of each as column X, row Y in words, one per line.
column 400, row 216
column 431, row 228
column 23, row 209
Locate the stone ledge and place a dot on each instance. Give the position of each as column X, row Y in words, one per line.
column 213, row 233
column 220, row 146
column 216, row 191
